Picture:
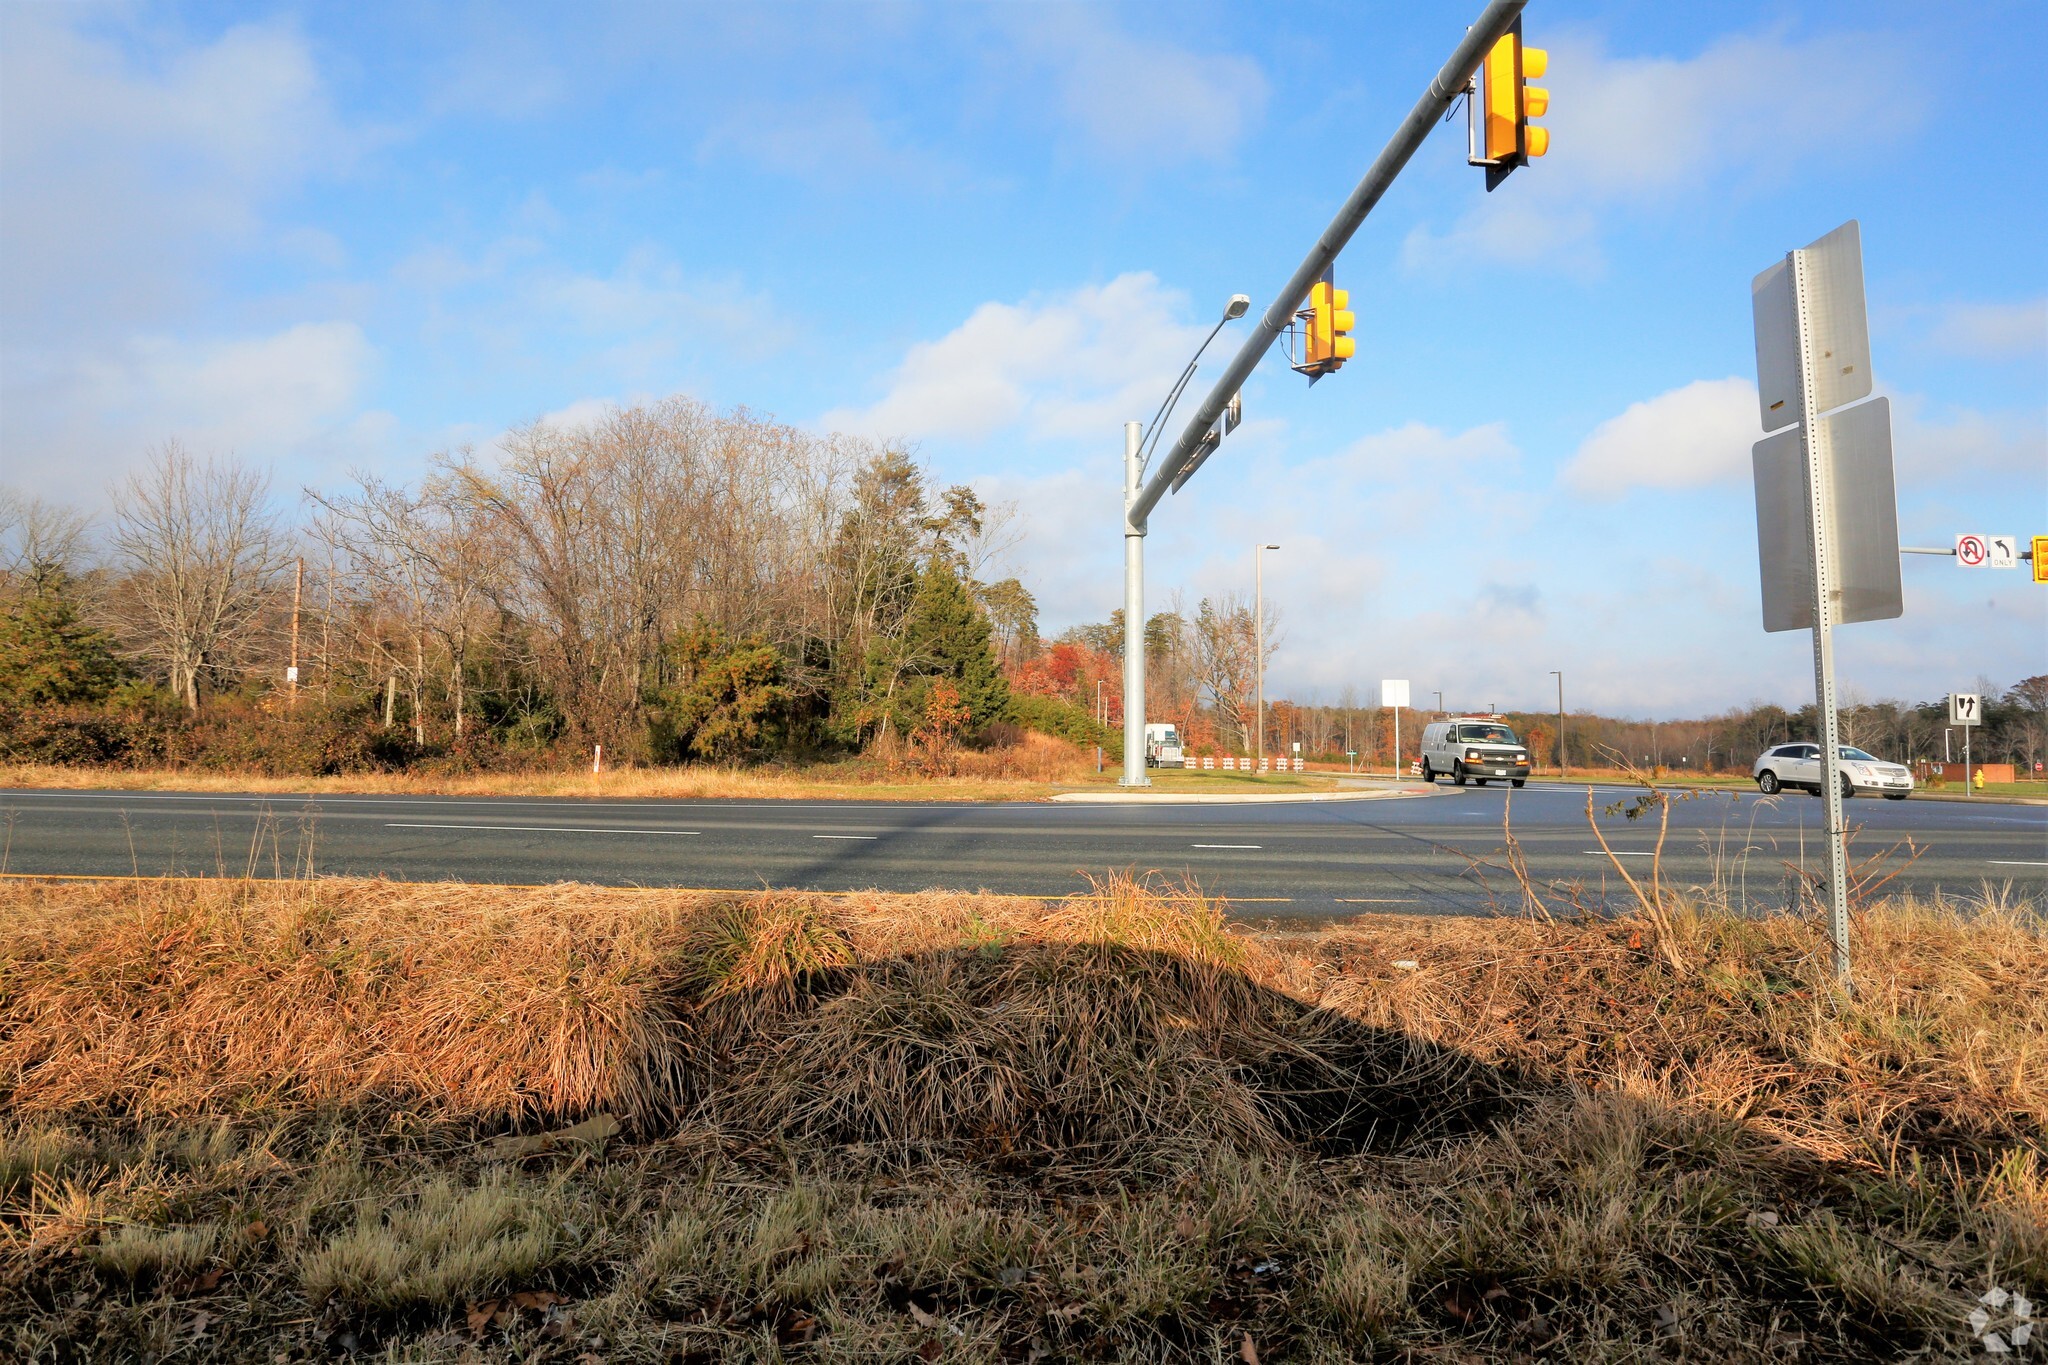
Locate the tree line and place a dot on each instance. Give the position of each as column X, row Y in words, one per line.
column 669, row 581
column 672, row 582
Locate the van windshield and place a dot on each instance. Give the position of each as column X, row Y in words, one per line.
column 1486, row 734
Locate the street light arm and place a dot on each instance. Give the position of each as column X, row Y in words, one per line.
column 1153, row 428
column 1449, row 83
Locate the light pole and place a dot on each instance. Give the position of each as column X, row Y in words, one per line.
column 1136, row 510
column 1101, row 722
column 1259, row 636
column 1559, row 675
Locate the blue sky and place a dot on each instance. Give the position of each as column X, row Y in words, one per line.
column 335, row 237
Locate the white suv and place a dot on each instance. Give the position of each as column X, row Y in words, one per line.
column 1798, row 765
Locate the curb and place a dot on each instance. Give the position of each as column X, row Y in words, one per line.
column 1223, row 798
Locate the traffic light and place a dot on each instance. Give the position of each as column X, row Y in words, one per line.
column 1329, row 320
column 1502, row 104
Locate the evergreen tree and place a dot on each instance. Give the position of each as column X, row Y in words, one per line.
column 730, row 698
column 945, row 636
column 47, row 654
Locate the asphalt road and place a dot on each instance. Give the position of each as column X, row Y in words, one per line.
column 1407, row 854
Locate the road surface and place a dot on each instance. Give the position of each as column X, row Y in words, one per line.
column 1420, row 854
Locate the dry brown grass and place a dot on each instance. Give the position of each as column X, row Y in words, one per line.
column 1020, row 772
column 885, row 1127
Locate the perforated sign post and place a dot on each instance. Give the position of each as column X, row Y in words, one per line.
column 1826, row 514
column 1965, row 709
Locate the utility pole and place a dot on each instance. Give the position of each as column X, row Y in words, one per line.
column 1259, row 635
column 1449, row 83
column 1559, row 675
column 291, row 674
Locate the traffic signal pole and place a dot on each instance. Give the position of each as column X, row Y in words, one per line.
column 1134, row 622
column 1429, row 110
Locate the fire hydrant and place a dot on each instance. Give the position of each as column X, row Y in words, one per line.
column 1977, row 779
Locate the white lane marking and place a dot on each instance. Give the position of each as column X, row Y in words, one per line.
column 1376, row 900
column 2012, row 862
column 1619, row 853
column 1224, row 845
column 846, row 836
column 551, row 829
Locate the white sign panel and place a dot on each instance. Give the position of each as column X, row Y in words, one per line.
column 1840, row 332
column 1863, row 521
column 1963, row 708
column 1971, row 551
column 2003, row 552
column 1394, row 692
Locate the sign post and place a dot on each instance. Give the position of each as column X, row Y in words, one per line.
column 1964, row 710
column 1827, row 515
column 1394, row 693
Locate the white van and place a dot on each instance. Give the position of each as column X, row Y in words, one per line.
column 1162, row 747
column 1481, row 749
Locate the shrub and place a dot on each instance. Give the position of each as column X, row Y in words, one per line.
column 1064, row 720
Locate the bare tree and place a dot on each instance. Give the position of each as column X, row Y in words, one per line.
column 1226, row 659
column 201, row 549
column 39, row 540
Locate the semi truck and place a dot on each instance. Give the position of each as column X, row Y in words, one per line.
column 1162, row 747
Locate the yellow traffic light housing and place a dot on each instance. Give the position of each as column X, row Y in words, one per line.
column 1503, row 102
column 1328, row 322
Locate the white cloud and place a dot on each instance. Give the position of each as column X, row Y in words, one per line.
column 1415, row 452
column 1688, row 437
column 1994, row 331
column 1965, row 447
column 123, row 173
column 262, row 397
column 1645, row 132
column 1075, row 365
column 1144, row 102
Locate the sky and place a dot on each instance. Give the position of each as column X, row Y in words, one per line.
column 327, row 238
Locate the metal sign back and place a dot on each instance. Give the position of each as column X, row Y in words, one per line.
column 1839, row 327
column 1862, row 533
column 1775, row 309
column 1836, row 320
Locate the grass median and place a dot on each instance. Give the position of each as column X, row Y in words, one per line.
column 286, row 1120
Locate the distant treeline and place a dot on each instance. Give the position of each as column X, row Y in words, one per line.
column 674, row 583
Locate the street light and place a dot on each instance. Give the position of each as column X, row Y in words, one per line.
column 1136, row 508
column 1259, row 634
column 1559, row 675
column 1237, row 307
column 1439, row 700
